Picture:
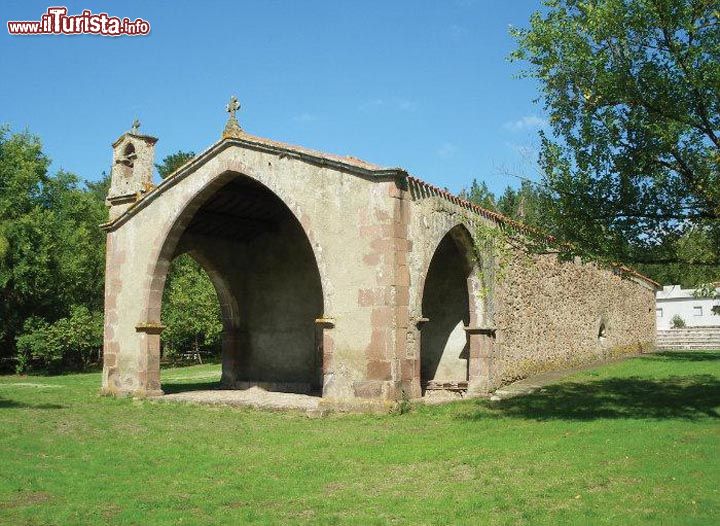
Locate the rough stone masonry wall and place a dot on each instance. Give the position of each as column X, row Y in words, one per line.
column 548, row 315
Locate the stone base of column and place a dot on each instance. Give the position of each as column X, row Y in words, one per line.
column 133, row 393
column 479, row 387
column 411, row 389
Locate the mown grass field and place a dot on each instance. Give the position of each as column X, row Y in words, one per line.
column 636, row 442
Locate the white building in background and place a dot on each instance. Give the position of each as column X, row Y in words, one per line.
column 696, row 312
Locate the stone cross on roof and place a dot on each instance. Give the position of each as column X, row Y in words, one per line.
column 232, row 128
column 232, row 106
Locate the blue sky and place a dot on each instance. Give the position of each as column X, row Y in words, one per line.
column 421, row 85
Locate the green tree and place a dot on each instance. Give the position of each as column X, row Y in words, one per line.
column 632, row 88
column 479, row 194
column 71, row 343
column 172, row 162
column 526, row 204
column 51, row 251
column 688, row 258
column 191, row 311
column 99, row 188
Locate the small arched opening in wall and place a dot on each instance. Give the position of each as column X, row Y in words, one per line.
column 448, row 308
column 126, row 162
column 267, row 280
column 602, row 331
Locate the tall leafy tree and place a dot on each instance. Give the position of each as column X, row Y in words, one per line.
column 51, row 250
column 172, row 162
column 191, row 311
column 526, row 204
column 480, row 194
column 632, row 88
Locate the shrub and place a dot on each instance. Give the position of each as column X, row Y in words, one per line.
column 71, row 343
column 677, row 322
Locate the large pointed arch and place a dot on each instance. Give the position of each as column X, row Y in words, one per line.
column 263, row 266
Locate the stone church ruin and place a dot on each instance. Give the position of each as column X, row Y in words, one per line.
column 346, row 280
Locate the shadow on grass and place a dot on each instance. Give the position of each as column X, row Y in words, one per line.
column 13, row 404
column 686, row 397
column 686, row 356
column 180, row 387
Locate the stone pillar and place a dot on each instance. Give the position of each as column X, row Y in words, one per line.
column 406, row 362
column 324, row 344
column 230, row 357
column 481, row 343
column 413, row 385
column 148, row 372
column 113, row 259
column 388, row 361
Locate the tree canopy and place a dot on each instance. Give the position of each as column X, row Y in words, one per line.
column 632, row 90
column 51, row 249
column 52, row 264
column 172, row 162
column 191, row 310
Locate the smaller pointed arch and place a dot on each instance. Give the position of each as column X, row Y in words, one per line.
column 450, row 305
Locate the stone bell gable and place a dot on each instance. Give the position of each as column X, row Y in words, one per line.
column 345, row 280
column 132, row 169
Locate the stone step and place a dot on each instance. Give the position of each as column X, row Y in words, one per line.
column 675, row 345
column 694, row 333
column 689, row 331
column 676, row 338
column 661, row 343
column 688, row 339
column 691, row 335
column 689, row 346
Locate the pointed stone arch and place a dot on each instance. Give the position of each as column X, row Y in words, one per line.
column 453, row 305
column 245, row 336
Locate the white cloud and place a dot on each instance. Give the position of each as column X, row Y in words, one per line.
column 528, row 122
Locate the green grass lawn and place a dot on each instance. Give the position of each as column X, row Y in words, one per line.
column 636, row 442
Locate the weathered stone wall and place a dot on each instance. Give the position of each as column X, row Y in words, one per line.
column 549, row 313
column 368, row 237
column 545, row 313
column 353, row 224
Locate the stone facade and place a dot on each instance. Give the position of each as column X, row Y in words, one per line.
column 347, row 280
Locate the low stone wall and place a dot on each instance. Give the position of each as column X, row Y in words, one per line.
column 689, row 339
column 551, row 314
